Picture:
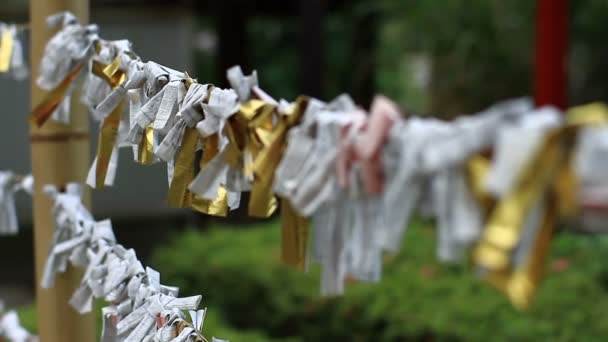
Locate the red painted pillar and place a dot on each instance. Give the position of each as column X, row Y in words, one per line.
column 551, row 82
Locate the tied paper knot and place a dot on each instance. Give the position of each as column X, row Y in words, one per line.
column 316, row 183
column 122, row 76
column 257, row 136
column 300, row 144
column 135, row 79
column 183, row 137
column 172, row 326
column 137, row 298
column 63, row 61
column 140, row 324
column 217, row 183
column 307, row 179
column 459, row 216
column 9, row 185
column 98, row 87
column 519, row 227
column 108, row 272
column 221, row 105
column 103, row 170
column 189, row 114
column 242, row 84
column 73, row 231
column 165, row 88
column 364, row 145
column 468, row 135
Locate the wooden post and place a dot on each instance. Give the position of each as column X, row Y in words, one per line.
column 551, row 53
column 60, row 154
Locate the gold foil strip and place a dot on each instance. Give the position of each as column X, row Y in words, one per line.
column 566, row 190
column 215, row 207
column 520, row 284
column 109, row 127
column 477, row 169
column 262, row 202
column 503, row 229
column 179, row 196
column 294, row 236
column 112, row 70
column 146, row 147
column 268, row 131
column 109, row 72
column 233, row 152
column 210, row 149
column 6, row 50
column 219, row 205
column 248, row 110
column 42, row 112
column 107, row 139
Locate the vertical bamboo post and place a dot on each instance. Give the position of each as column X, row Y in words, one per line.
column 60, row 154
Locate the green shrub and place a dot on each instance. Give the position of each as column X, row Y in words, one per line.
column 240, row 276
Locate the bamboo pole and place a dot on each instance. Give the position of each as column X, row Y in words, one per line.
column 60, row 154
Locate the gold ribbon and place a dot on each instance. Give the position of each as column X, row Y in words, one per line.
column 6, row 50
column 41, row 113
column 109, row 127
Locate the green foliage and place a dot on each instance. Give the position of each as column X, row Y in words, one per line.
column 240, row 276
column 482, row 51
column 479, row 51
column 27, row 317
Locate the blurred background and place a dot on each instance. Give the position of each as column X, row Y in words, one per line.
column 440, row 58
